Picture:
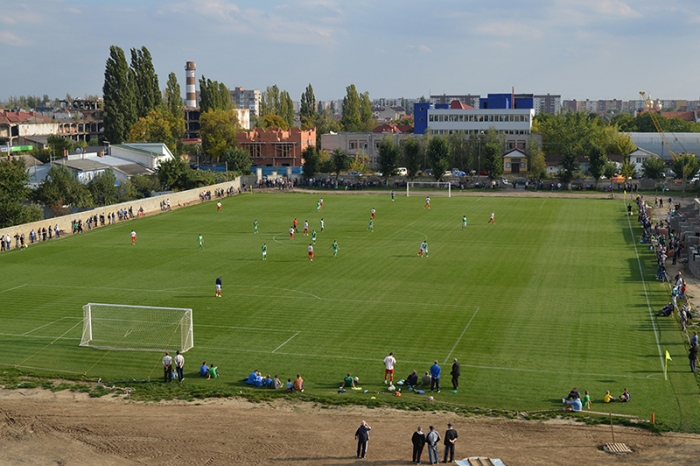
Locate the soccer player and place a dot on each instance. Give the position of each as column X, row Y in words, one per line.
column 133, row 238
column 318, row 205
column 291, row 233
column 427, row 202
column 323, row 225
column 313, row 237
column 264, row 251
column 335, row 247
column 389, row 363
column 306, row 228
column 392, row 195
column 255, row 226
column 201, row 241
column 373, row 213
column 493, row 218
column 294, row 224
column 218, row 287
column 218, row 206
column 464, row 222
column 321, row 202
column 311, row 252
column 371, row 225
column 425, row 248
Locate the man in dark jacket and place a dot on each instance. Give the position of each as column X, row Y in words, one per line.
column 455, row 374
column 412, row 380
column 418, row 441
column 693, row 356
column 362, row 437
column 450, row 439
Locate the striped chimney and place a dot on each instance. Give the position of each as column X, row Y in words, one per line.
column 190, row 89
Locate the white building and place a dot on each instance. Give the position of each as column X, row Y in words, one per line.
column 247, row 99
column 362, row 143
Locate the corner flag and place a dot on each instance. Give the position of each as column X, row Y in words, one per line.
column 668, row 358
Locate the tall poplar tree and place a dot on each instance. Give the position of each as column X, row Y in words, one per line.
column 119, row 93
column 351, row 120
column 213, row 95
column 307, row 108
column 173, row 102
column 287, row 108
column 147, row 88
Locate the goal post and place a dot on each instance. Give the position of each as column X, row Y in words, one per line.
column 429, row 186
column 137, row 328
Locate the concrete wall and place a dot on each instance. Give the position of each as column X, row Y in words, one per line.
column 151, row 205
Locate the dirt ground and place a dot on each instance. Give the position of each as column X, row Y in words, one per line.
column 39, row 427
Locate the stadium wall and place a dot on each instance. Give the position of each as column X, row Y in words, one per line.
column 151, row 205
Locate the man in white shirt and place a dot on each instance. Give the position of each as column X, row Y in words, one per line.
column 389, row 363
column 179, row 365
column 167, row 366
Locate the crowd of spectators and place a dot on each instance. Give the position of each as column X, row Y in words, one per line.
column 258, row 380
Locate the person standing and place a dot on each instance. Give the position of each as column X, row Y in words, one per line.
column 372, row 213
column 435, row 377
column 334, row 246
column 370, row 227
column 427, row 203
column 432, row 440
column 218, row 287
column 418, row 441
column 450, row 439
column 694, row 339
column 362, row 437
column 455, row 373
column 323, row 225
column 179, row 366
column 133, row 238
column 464, row 222
column 389, row 363
column 291, row 233
column 392, row 195
column 167, row 367
column 201, row 241
column 294, row 224
column 255, row 226
column 306, row 228
column 311, row 252
column 693, row 356
column 264, row 251
column 493, row 218
column 218, row 206
column 313, row 237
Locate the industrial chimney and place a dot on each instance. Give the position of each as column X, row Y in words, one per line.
column 190, row 89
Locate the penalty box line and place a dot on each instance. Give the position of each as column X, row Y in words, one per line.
column 461, row 335
column 46, row 325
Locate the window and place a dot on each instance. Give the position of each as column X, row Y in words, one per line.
column 507, row 164
column 352, row 145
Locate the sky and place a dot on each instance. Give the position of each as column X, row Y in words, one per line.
column 579, row 49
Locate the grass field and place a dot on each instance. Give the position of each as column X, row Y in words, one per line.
column 549, row 298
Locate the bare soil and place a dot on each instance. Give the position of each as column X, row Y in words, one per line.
column 39, row 427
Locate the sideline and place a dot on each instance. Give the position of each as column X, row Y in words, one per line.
column 460, row 336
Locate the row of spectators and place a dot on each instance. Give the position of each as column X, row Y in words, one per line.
column 258, row 380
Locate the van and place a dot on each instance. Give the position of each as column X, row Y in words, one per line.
column 402, row 171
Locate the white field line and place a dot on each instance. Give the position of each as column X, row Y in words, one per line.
column 542, row 205
column 15, row 288
column 646, row 294
column 52, row 369
column 247, row 328
column 286, row 341
column 39, row 337
column 460, row 336
column 45, row 325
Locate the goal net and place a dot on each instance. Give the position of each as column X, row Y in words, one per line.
column 137, row 328
column 429, row 186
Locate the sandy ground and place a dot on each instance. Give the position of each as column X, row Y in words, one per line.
column 38, row 427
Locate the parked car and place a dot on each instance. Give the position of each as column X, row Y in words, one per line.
column 402, row 171
column 458, row 172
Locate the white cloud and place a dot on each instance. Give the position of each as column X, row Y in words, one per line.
column 509, row 28
column 8, row 38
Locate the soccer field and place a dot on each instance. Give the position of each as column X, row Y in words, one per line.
column 548, row 298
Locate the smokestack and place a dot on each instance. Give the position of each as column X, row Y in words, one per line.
column 190, row 89
column 512, row 97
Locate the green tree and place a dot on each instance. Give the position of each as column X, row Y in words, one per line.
column 312, row 161
column 172, row 100
column 685, row 166
column 653, row 167
column 103, row 188
column 538, row 166
column 307, row 108
column 366, row 116
column 147, row 88
column 596, row 162
column 213, row 95
column 61, row 188
column 325, row 123
column 119, row 93
column 13, row 194
column 624, row 122
column 58, row 144
column 270, row 101
column 174, row 174
column 352, row 120
column 158, row 126
column 236, row 159
column 460, row 150
column 610, row 170
column 492, row 161
column 273, row 121
column 145, row 185
column 569, row 165
column 627, row 169
column 287, row 108
column 340, row 161
column 412, row 156
column 438, row 156
column 218, row 131
column 389, row 155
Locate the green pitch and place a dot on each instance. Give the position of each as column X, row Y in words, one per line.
column 548, row 298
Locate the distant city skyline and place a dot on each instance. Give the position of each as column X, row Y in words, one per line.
column 579, row 49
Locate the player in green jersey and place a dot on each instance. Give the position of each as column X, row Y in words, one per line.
column 334, row 246
column 371, row 225
column 264, row 251
column 255, row 226
column 201, row 242
column 313, row 236
column 464, row 222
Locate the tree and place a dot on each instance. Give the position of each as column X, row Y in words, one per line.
column 610, row 170
column 104, row 189
column 270, row 101
column 311, row 161
column 58, row 144
column 273, row 121
column 627, row 169
column 438, row 155
column 147, row 88
column 653, row 167
column 61, row 188
column 366, row 116
column 158, row 126
column 596, row 162
column 624, row 122
column 325, row 123
column 174, row 174
column 213, row 95
column 339, row 159
column 359, row 162
column 307, row 108
column 351, row 120
column 569, row 165
column 389, row 154
column 172, row 99
column 538, row 166
column 218, row 132
column 492, row 161
column 13, row 193
column 412, row 156
column 287, row 108
column 236, row 159
column 459, row 149
column 685, row 166
column 119, row 93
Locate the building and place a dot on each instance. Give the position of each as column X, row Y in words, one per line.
column 247, row 99
column 381, row 113
column 679, row 143
column 276, row 147
column 14, row 125
column 467, row 99
column 550, row 104
column 366, row 143
column 514, row 162
column 514, row 124
column 193, row 126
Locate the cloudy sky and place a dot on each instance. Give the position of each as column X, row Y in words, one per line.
column 595, row 49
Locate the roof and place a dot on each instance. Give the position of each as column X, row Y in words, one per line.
column 132, row 169
column 687, row 116
column 83, row 164
column 29, row 161
column 515, row 153
column 22, row 117
column 458, row 104
column 392, row 128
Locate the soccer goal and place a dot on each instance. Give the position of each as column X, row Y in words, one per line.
column 429, row 186
column 137, row 328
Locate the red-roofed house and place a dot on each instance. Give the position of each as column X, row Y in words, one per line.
column 14, row 125
column 459, row 105
column 394, row 129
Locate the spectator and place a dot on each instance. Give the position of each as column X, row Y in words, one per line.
column 693, row 354
column 412, row 380
column 432, row 440
column 574, row 405
column 204, row 369
column 574, row 393
column 213, row 372
column 586, row 402
column 298, row 384
column 348, row 382
column 277, row 384
column 624, row 397
column 290, row 385
column 608, row 397
column 425, row 380
column 435, row 377
column 418, row 439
